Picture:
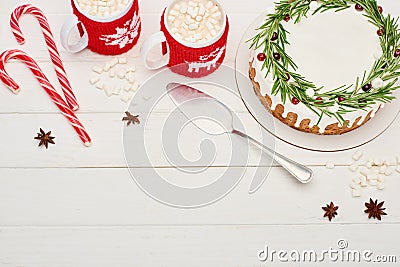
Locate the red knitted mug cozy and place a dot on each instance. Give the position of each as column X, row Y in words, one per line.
column 114, row 37
column 194, row 62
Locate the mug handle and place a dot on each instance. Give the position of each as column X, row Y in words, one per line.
column 154, row 40
column 66, row 30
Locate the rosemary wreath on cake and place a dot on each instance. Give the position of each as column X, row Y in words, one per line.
column 374, row 87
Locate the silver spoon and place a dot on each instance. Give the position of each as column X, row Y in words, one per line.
column 215, row 111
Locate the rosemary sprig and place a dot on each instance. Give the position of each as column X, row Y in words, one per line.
column 386, row 68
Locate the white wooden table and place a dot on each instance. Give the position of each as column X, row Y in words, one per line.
column 72, row 206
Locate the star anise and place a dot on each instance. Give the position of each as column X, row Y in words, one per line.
column 330, row 211
column 45, row 138
column 374, row 209
column 131, row 119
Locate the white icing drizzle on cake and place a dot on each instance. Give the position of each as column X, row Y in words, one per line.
column 326, row 36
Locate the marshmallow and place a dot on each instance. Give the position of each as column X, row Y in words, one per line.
column 121, row 74
column 372, row 176
column 310, row 92
column 93, row 13
column 380, row 186
column 173, row 12
column 202, row 10
column 171, row 18
column 107, row 67
column 364, row 171
column 217, row 15
column 377, row 55
column 131, row 69
column 378, row 162
column 195, row 17
column 113, row 62
column 377, row 83
column 131, row 78
column 94, row 80
column 388, row 171
column 102, row 9
column 213, row 21
column 353, row 167
column 193, row 26
column 126, row 96
column 363, row 180
column 99, row 85
column 357, row 156
column 209, row 25
column 109, row 90
column 127, row 87
column 382, row 169
column 355, row 186
column 116, row 90
column 192, row 4
column 356, row 193
column 97, row 69
column 334, row 109
column 398, row 169
column 134, row 86
column 183, row 9
column 356, row 180
column 122, row 60
column 214, row 9
column 330, row 165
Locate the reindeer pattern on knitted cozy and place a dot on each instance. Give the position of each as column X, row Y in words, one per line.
column 124, row 36
column 205, row 61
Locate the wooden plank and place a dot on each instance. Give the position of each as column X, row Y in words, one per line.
column 106, row 130
column 155, row 6
column 182, row 246
column 102, row 197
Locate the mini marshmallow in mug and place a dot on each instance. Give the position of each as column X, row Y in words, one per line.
column 100, row 24
column 193, row 37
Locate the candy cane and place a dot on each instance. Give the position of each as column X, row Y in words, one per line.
column 46, row 85
column 51, row 45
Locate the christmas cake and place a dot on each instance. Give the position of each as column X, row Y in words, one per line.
column 325, row 67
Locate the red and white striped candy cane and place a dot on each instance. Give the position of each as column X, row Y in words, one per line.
column 51, row 45
column 46, row 85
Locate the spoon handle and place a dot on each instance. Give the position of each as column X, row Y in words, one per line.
column 300, row 172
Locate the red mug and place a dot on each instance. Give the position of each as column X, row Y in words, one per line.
column 111, row 35
column 192, row 60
